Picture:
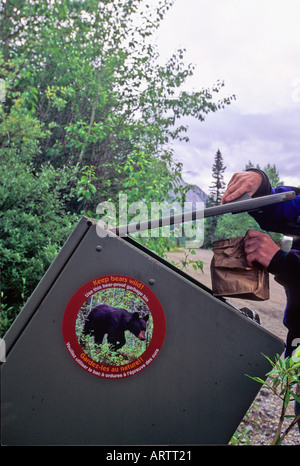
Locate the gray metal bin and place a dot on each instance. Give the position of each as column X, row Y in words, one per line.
column 195, row 390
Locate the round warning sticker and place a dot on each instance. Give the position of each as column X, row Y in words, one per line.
column 114, row 326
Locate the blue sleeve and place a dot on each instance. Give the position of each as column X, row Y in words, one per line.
column 283, row 217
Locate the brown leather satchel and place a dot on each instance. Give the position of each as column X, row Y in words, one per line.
column 231, row 276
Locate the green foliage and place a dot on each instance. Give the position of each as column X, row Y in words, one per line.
column 86, row 188
column 282, row 381
column 241, row 437
column 7, row 316
column 231, row 226
column 34, row 219
column 89, row 113
column 186, row 261
column 33, row 225
column 89, row 72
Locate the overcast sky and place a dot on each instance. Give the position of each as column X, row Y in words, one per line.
column 254, row 47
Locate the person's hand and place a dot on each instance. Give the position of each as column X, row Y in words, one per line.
column 259, row 247
column 241, row 183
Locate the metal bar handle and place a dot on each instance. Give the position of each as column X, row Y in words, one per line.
column 235, row 207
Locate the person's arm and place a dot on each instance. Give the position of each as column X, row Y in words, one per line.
column 255, row 182
column 259, row 247
column 286, row 268
column 265, row 187
column 281, row 217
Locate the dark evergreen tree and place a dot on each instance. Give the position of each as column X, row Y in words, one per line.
column 218, row 186
column 214, row 198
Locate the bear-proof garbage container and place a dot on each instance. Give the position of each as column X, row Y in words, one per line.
column 162, row 361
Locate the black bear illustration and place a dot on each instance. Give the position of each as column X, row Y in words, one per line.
column 104, row 319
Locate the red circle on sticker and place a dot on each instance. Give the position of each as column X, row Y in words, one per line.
column 114, row 326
